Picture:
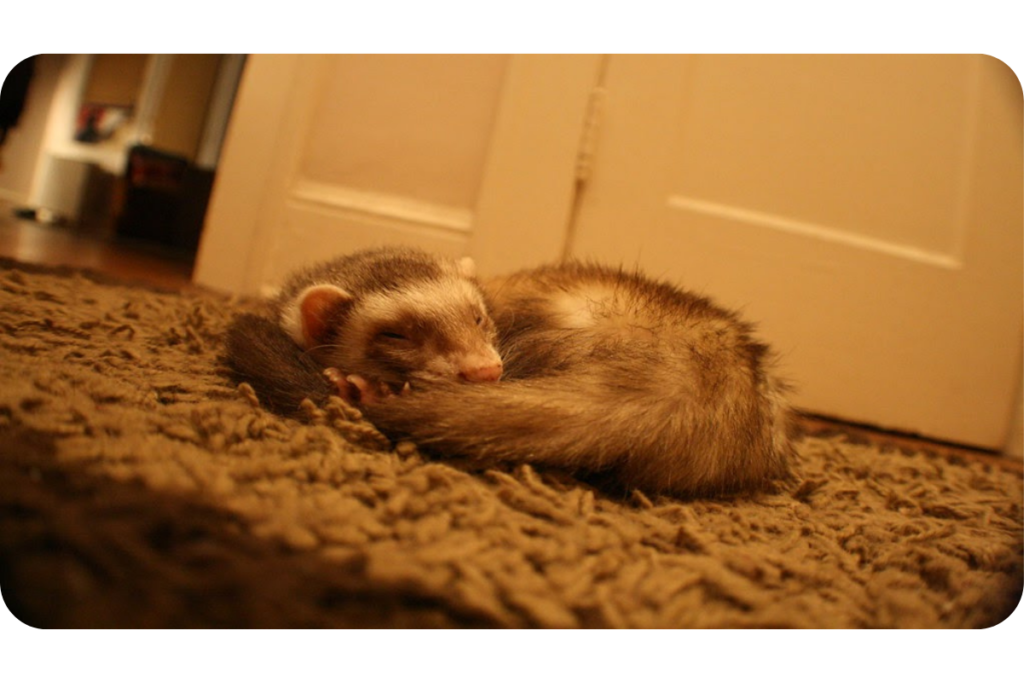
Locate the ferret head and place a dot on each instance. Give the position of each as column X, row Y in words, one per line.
column 434, row 327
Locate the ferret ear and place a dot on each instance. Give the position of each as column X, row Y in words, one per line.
column 314, row 313
column 467, row 267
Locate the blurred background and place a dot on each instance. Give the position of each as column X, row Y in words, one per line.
column 866, row 210
column 114, row 149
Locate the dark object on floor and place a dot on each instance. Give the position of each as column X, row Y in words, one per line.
column 165, row 199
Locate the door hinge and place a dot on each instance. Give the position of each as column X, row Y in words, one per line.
column 591, row 128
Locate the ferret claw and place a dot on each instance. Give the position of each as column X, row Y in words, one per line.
column 368, row 392
column 342, row 385
column 356, row 389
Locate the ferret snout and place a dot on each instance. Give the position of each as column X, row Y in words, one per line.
column 476, row 368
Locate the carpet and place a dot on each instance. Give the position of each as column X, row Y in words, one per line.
column 140, row 487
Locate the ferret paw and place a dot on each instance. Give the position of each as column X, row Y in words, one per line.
column 366, row 392
column 348, row 392
column 370, row 393
column 356, row 389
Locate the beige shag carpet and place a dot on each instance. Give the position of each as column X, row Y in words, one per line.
column 139, row 487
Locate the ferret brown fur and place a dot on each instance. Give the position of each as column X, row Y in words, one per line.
column 604, row 371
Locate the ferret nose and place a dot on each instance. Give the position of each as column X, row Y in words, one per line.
column 482, row 373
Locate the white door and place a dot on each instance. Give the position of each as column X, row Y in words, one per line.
column 866, row 210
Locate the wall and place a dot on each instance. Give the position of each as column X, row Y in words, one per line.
column 115, row 80
column 178, row 124
column 20, row 154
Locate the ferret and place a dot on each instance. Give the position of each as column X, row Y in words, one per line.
column 392, row 316
column 576, row 366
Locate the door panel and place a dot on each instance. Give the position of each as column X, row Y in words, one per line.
column 865, row 209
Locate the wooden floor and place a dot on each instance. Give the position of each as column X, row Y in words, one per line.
column 33, row 242
column 58, row 245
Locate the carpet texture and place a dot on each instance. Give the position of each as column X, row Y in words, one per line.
column 140, row 487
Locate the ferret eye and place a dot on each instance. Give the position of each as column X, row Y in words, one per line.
column 394, row 336
column 479, row 319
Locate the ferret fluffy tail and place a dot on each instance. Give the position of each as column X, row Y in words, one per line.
column 282, row 374
column 654, row 439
